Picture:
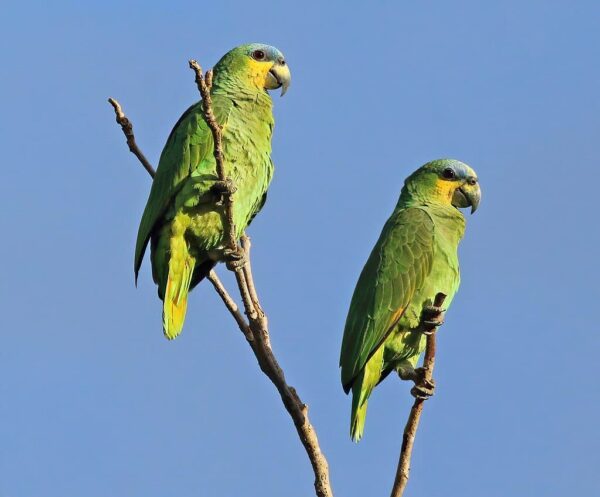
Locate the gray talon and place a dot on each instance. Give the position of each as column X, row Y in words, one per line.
column 223, row 188
column 234, row 259
column 421, row 392
column 431, row 318
column 423, row 388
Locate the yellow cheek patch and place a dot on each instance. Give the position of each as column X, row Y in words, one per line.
column 444, row 189
column 257, row 72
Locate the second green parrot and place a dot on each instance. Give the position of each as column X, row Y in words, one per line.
column 183, row 218
column 413, row 260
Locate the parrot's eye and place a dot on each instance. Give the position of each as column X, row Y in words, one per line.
column 448, row 173
column 472, row 181
column 258, row 55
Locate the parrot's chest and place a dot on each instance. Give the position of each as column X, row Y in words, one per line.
column 247, row 162
column 247, row 150
column 403, row 344
column 444, row 276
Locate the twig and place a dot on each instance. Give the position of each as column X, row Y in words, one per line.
column 246, row 245
column 256, row 329
column 204, row 84
column 410, row 430
column 127, row 128
column 231, row 305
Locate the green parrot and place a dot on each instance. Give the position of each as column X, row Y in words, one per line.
column 414, row 259
column 183, row 218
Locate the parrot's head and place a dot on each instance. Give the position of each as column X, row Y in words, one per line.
column 445, row 181
column 256, row 65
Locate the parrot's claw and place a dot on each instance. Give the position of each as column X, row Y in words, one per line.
column 432, row 317
column 221, row 189
column 235, row 259
column 423, row 388
column 423, row 392
column 430, row 325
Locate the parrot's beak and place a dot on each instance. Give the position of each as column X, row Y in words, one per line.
column 467, row 195
column 278, row 77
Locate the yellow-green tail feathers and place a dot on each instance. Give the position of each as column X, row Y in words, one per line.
column 176, row 294
column 362, row 387
column 357, row 418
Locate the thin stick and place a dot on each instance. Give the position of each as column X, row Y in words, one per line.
column 231, row 305
column 127, row 128
column 410, row 430
column 204, row 84
column 246, row 245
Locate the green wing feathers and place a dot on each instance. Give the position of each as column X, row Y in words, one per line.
column 396, row 268
column 188, row 146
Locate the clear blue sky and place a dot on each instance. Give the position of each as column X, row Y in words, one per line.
column 95, row 402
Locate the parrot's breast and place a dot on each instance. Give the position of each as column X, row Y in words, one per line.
column 444, row 277
column 247, row 154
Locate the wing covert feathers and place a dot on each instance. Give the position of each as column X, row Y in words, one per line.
column 397, row 267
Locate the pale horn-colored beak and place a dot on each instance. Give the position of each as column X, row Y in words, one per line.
column 279, row 77
column 468, row 195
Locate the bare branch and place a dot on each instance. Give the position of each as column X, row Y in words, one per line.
column 127, row 128
column 246, row 245
column 297, row 410
column 204, row 84
column 412, row 424
column 231, row 305
column 257, row 318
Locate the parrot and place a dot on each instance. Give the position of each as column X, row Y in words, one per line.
column 414, row 259
column 184, row 215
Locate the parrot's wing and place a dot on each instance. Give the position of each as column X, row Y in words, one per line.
column 397, row 267
column 189, row 143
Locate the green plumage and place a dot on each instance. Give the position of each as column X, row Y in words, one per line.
column 182, row 218
column 414, row 258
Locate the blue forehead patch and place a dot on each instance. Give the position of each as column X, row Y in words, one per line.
column 271, row 52
column 460, row 168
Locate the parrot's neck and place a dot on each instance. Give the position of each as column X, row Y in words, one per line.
column 241, row 90
column 443, row 212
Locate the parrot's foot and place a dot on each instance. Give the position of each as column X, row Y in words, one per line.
column 423, row 388
column 222, row 189
column 432, row 318
column 235, row 259
column 422, row 392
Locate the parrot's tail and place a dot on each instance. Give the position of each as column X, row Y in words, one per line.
column 363, row 385
column 357, row 418
column 181, row 270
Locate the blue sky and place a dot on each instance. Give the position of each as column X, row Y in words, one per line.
column 95, row 402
